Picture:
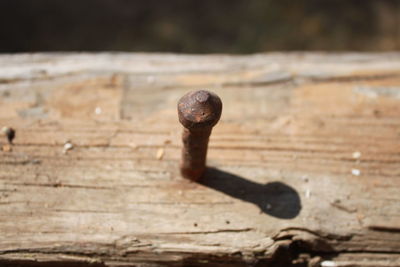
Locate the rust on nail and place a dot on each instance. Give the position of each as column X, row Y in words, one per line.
column 198, row 112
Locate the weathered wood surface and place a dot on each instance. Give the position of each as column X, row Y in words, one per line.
column 306, row 161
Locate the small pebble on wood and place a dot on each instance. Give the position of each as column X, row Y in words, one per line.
column 9, row 133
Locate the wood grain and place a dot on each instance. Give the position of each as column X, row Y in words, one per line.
column 304, row 164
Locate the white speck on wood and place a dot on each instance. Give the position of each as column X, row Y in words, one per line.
column 355, row 172
column 97, row 110
column 67, row 146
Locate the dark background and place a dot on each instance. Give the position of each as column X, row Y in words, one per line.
column 199, row 26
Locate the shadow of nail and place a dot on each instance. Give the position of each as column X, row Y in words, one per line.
column 275, row 198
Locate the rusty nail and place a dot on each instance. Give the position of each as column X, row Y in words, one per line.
column 198, row 112
column 9, row 133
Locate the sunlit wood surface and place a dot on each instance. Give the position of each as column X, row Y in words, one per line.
column 304, row 164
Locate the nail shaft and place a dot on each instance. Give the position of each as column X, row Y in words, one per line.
column 194, row 153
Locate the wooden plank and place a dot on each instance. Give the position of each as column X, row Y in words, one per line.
column 304, row 164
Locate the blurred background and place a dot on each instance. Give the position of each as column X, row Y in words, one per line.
column 199, row 26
